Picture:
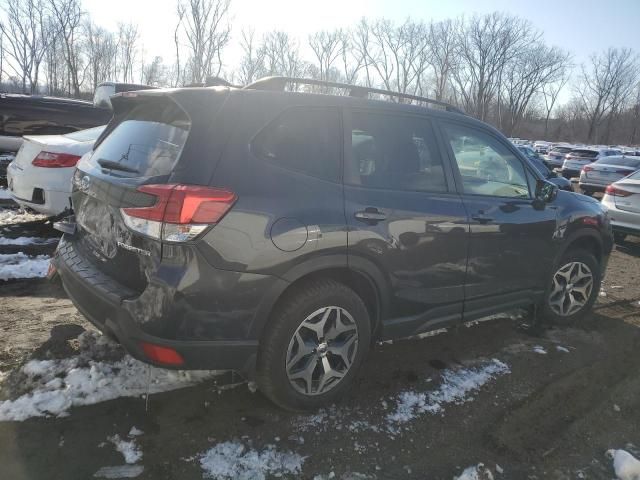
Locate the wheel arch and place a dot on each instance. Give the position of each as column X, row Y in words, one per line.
column 586, row 239
column 360, row 275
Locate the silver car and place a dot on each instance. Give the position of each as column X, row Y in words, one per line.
column 622, row 199
column 595, row 176
column 555, row 157
column 579, row 157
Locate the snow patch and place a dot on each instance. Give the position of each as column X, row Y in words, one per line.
column 21, row 241
column 477, row 472
column 120, row 471
column 562, row 349
column 455, row 388
column 626, row 466
column 9, row 217
column 233, row 460
column 540, row 350
column 128, row 448
column 135, row 432
column 54, row 386
column 4, row 194
column 19, row 265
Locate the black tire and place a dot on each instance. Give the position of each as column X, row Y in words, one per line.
column 271, row 372
column 619, row 237
column 573, row 255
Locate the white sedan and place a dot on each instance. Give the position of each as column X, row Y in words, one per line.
column 622, row 200
column 40, row 176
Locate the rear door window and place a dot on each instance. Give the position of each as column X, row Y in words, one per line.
column 146, row 142
column 307, row 140
column 394, row 152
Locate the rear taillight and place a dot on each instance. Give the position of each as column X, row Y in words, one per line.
column 180, row 212
column 160, row 354
column 616, row 192
column 587, row 168
column 55, row 160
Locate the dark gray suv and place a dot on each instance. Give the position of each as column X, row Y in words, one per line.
column 280, row 233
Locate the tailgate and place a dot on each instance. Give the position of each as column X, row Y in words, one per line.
column 141, row 146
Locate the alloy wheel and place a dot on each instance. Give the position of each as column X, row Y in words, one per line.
column 322, row 350
column 571, row 288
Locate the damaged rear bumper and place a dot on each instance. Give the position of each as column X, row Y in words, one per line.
column 102, row 301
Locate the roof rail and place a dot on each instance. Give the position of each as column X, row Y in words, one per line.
column 279, row 83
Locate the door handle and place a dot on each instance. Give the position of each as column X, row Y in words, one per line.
column 481, row 218
column 370, row 215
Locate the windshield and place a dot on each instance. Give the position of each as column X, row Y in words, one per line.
column 561, row 150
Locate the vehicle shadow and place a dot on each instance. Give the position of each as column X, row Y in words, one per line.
column 39, row 288
column 630, row 247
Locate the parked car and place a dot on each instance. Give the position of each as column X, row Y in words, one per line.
column 280, row 233
column 542, row 147
column 555, row 157
column 596, row 176
column 40, row 176
column 579, row 157
column 536, row 160
column 37, row 115
column 42, row 115
column 622, row 200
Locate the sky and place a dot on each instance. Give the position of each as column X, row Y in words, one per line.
column 580, row 26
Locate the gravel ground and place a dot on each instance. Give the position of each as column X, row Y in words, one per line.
column 570, row 394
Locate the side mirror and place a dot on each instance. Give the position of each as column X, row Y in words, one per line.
column 546, row 191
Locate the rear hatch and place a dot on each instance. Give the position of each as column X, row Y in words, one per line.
column 142, row 146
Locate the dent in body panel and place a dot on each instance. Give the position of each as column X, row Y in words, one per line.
column 188, row 299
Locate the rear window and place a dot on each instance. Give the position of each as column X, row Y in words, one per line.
column 146, row 141
column 91, row 134
column 622, row 162
column 584, row 153
column 635, row 175
column 307, row 140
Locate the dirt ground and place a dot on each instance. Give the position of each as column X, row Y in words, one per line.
column 552, row 417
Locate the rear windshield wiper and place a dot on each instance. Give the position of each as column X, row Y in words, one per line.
column 110, row 164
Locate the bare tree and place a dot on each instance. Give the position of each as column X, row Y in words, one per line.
column 550, row 92
column 252, row 61
column 128, row 37
column 635, row 117
column 361, row 45
column 485, row 45
column 101, row 49
column 155, row 73
column 525, row 76
column 281, row 55
column 399, row 55
column 327, row 48
column 442, row 55
column 180, row 11
column 67, row 15
column 207, row 32
column 27, row 37
column 605, row 83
